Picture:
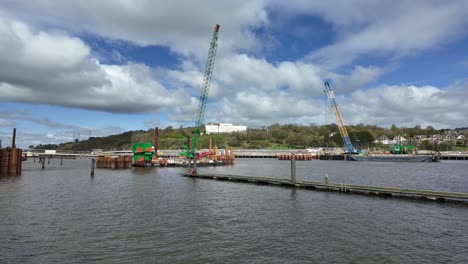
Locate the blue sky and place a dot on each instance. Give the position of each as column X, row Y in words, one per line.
column 71, row 68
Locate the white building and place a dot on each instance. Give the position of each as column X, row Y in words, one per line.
column 382, row 139
column 398, row 138
column 213, row 128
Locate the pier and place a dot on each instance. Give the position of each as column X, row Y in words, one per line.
column 439, row 196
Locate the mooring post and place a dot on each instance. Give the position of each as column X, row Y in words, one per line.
column 61, row 161
column 195, row 164
column 293, row 169
column 93, row 161
column 13, row 142
column 43, row 162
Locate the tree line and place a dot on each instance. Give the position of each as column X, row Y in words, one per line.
column 275, row 136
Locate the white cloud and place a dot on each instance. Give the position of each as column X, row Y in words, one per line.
column 256, row 92
column 57, row 69
column 183, row 26
column 357, row 79
column 408, row 106
column 399, row 28
column 44, row 59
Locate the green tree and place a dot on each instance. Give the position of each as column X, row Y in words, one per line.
column 426, row 145
column 296, row 140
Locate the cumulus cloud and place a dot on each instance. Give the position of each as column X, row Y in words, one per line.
column 40, row 59
column 183, row 26
column 358, row 78
column 408, row 105
column 56, row 69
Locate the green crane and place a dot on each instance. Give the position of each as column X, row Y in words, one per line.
column 202, row 99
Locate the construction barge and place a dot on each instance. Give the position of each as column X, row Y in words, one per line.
column 395, row 158
column 382, row 157
column 182, row 162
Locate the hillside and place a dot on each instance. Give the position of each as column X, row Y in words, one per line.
column 275, row 136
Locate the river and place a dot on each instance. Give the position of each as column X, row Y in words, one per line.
column 154, row 215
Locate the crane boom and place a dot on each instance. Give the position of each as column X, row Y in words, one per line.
column 349, row 148
column 202, row 99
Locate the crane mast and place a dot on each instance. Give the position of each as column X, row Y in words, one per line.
column 202, row 99
column 349, row 148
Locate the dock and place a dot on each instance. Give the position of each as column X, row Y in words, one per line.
column 429, row 195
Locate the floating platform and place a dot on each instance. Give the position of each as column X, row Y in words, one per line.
column 383, row 157
column 439, row 196
column 395, row 158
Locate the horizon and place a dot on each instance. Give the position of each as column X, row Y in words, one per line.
column 74, row 69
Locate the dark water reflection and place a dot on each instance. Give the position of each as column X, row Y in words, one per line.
column 62, row 215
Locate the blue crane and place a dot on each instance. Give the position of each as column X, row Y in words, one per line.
column 349, row 148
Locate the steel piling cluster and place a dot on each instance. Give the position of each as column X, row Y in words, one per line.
column 11, row 161
column 119, row 162
column 228, row 157
column 296, row 157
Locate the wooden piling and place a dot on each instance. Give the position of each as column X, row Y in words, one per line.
column 210, row 149
column 194, row 165
column 293, row 169
column 156, row 140
column 93, row 161
column 13, row 142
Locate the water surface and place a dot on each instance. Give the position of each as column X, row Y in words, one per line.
column 153, row 215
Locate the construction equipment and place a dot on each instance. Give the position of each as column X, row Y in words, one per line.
column 399, row 148
column 205, row 87
column 349, row 148
column 143, row 153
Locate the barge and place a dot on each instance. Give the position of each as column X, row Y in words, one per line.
column 395, row 158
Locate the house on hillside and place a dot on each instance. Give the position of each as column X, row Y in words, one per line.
column 397, row 139
column 436, row 138
column 382, row 140
column 450, row 136
column 420, row 138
